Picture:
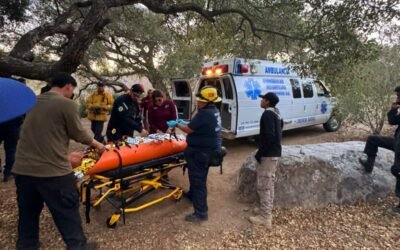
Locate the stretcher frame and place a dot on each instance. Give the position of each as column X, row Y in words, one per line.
column 122, row 191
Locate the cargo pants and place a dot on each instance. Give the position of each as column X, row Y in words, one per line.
column 265, row 184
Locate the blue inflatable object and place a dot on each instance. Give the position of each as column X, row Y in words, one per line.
column 15, row 99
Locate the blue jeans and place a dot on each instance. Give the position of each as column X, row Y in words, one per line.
column 10, row 136
column 197, row 164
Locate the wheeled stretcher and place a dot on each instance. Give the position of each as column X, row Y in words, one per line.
column 125, row 185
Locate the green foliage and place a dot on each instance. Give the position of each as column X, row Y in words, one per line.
column 14, row 10
column 164, row 39
column 365, row 91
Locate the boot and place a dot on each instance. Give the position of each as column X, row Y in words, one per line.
column 397, row 187
column 196, row 217
column 396, row 209
column 265, row 221
column 368, row 164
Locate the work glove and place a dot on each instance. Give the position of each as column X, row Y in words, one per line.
column 172, row 123
column 182, row 122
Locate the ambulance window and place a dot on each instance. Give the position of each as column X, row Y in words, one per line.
column 295, row 88
column 228, row 88
column 212, row 82
column 308, row 90
column 321, row 91
column 182, row 89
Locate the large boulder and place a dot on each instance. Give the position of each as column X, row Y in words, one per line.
column 316, row 175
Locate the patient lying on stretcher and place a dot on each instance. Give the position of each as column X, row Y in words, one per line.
column 130, row 151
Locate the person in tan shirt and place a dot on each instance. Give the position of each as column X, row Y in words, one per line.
column 43, row 173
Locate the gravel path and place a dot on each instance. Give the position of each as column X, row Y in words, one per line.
column 363, row 226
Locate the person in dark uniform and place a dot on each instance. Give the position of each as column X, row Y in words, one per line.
column 204, row 137
column 376, row 141
column 125, row 115
column 9, row 134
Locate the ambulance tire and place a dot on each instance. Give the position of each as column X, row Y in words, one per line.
column 332, row 125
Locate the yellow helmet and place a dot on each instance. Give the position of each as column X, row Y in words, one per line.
column 208, row 94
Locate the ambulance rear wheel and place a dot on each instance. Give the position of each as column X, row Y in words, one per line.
column 332, row 124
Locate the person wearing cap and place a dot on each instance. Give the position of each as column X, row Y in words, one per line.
column 267, row 157
column 125, row 115
column 376, row 141
column 203, row 137
column 388, row 142
column 99, row 105
column 159, row 112
column 43, row 172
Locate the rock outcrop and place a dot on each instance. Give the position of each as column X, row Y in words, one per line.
column 316, row 175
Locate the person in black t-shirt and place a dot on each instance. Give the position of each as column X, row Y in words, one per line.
column 204, row 137
column 267, row 156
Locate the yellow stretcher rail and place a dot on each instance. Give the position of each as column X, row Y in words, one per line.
column 121, row 193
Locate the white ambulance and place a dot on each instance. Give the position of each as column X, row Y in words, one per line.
column 303, row 101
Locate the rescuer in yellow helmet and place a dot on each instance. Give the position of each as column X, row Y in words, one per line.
column 204, row 137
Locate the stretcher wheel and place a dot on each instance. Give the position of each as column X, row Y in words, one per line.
column 178, row 196
column 111, row 222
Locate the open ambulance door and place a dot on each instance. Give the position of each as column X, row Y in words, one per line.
column 228, row 106
column 181, row 94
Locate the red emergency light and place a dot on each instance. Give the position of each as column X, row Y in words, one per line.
column 217, row 70
column 206, row 71
column 222, row 69
column 243, row 68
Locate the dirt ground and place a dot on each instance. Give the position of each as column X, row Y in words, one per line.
column 363, row 226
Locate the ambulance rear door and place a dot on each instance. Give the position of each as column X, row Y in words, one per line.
column 228, row 106
column 181, row 94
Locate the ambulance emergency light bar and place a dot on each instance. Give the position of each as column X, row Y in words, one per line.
column 221, row 69
column 215, row 70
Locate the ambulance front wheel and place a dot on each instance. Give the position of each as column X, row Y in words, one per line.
column 332, row 124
